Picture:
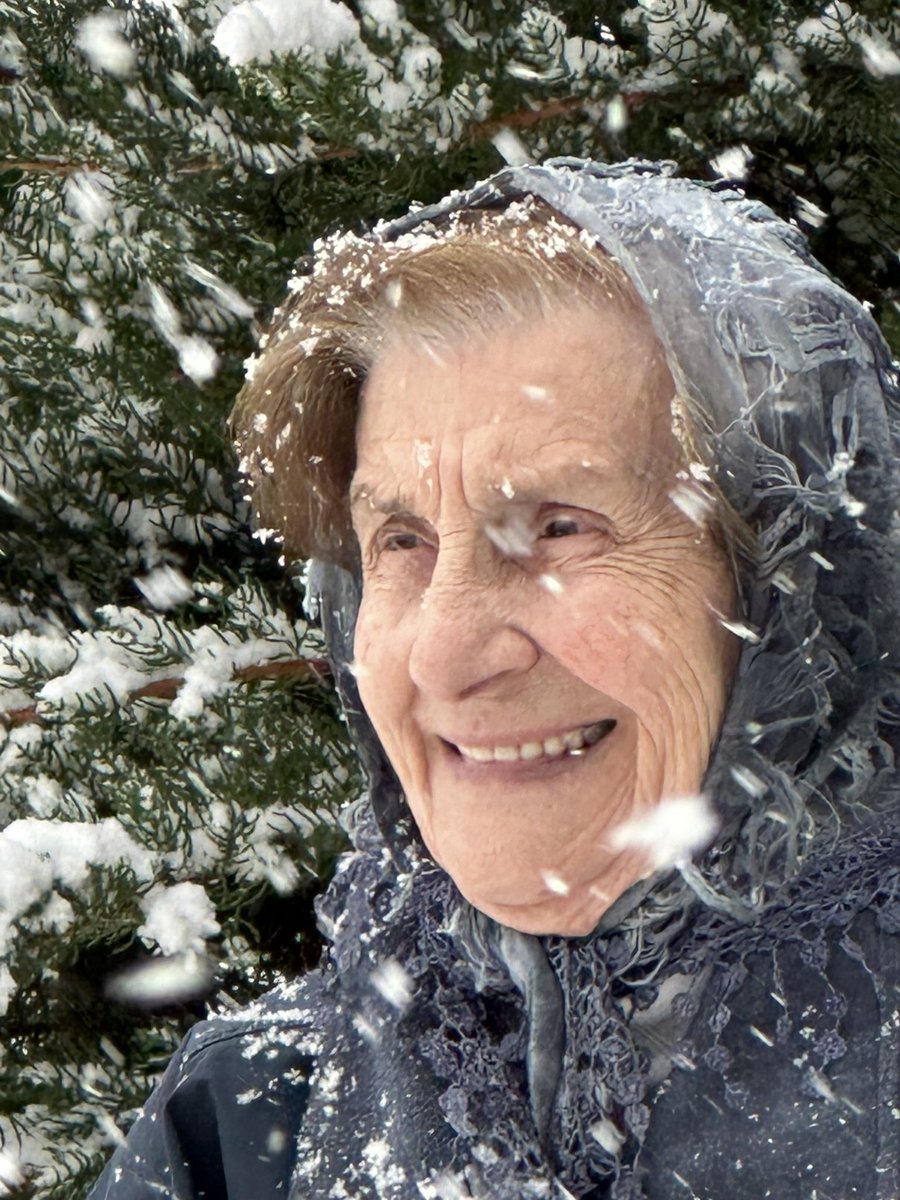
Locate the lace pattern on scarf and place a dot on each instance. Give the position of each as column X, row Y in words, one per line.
column 480, row 1069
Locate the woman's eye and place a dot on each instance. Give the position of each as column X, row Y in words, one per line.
column 401, row 541
column 555, row 523
column 394, row 538
column 560, row 527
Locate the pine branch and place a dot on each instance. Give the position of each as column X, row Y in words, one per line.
column 53, row 166
column 526, row 117
column 168, row 688
column 63, row 166
column 523, row 118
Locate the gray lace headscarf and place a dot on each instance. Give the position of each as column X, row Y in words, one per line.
column 473, row 1060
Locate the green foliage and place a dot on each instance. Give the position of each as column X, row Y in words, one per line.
column 152, row 208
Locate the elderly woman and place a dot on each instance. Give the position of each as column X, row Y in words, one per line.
column 598, row 471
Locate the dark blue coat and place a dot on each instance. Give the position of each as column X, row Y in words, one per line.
column 791, row 1116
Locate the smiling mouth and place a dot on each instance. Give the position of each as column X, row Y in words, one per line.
column 573, row 743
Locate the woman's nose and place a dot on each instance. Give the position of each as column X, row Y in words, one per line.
column 466, row 637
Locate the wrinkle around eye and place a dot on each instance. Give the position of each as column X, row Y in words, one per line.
column 585, row 519
column 398, row 544
column 573, row 532
column 400, row 540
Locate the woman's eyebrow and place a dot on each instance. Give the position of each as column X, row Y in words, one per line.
column 544, row 485
column 550, row 483
column 366, row 496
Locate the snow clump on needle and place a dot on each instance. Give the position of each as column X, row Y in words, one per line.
column 178, row 918
column 879, row 56
column 254, row 30
column 37, row 855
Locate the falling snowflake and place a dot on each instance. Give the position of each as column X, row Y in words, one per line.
column 392, row 982
column 555, row 883
column 100, row 39
column 671, row 832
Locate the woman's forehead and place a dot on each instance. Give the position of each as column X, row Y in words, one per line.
column 476, row 417
column 522, row 483
column 586, row 377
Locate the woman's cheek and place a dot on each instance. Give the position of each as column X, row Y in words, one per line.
column 366, row 643
column 372, row 620
column 361, row 636
column 379, row 663
column 591, row 635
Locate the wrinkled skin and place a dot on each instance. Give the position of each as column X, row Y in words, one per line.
column 598, row 599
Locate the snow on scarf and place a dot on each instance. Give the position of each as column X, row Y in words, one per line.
column 464, row 1059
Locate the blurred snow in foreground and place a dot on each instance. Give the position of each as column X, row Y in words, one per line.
column 100, row 39
column 733, row 163
column 10, row 1175
column 511, row 147
column 165, row 587
column 161, row 981
column 392, row 982
column 670, row 833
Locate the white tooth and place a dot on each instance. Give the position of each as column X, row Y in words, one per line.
column 478, row 753
column 506, row 754
column 531, row 750
column 574, row 740
column 554, row 746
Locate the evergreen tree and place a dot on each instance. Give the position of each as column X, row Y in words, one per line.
column 172, row 761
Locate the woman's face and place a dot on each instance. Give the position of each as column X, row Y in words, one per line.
column 528, row 581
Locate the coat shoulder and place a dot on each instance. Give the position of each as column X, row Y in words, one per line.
column 223, row 1119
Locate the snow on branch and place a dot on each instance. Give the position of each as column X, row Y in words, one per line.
column 168, row 688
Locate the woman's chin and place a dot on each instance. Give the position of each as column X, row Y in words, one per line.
column 556, row 916
column 553, row 908
column 560, row 915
